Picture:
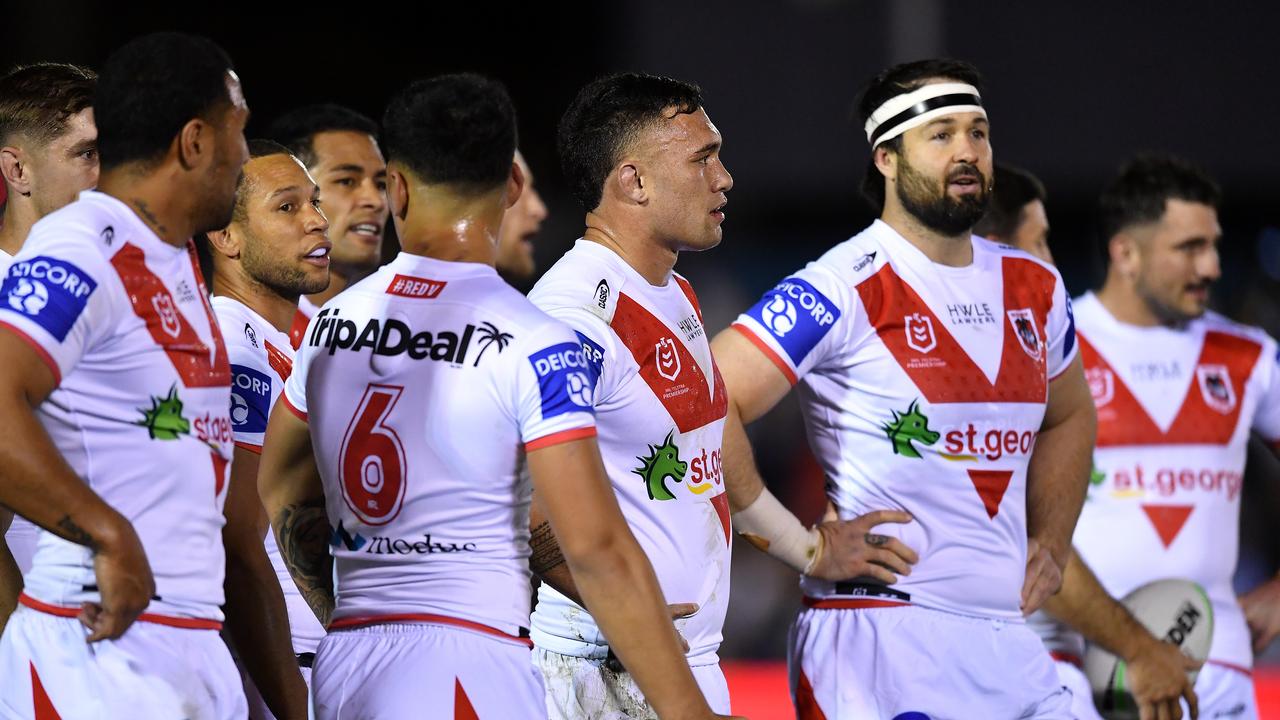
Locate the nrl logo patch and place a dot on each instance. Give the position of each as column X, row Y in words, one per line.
column 920, row 335
column 1024, row 327
column 1215, row 386
column 667, row 359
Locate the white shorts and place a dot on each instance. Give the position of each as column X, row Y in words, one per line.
column 153, row 671
column 1223, row 692
column 258, row 709
column 583, row 688
column 425, row 671
column 905, row 661
column 22, row 539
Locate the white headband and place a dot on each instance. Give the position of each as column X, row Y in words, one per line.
column 902, row 112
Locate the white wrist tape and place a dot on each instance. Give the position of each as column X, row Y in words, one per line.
column 772, row 528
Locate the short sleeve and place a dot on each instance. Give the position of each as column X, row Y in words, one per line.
column 294, row 395
column 799, row 324
column 253, row 392
column 600, row 347
column 555, row 389
column 55, row 299
column 1267, row 419
column 1060, row 330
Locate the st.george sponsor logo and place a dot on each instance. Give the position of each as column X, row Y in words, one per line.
column 385, row 336
column 213, row 429
column 1142, row 481
column 974, row 442
column 663, row 463
column 51, row 292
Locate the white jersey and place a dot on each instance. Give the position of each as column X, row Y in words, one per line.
column 261, row 360
column 424, row 384
column 923, row 388
column 301, row 318
column 1175, row 409
column 660, row 409
column 22, row 535
column 140, row 411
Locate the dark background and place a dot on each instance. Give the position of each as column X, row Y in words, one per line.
column 1072, row 89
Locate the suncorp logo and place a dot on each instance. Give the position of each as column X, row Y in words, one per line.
column 797, row 314
column 51, row 292
column 779, row 315
column 810, row 300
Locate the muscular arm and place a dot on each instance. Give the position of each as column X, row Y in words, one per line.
column 10, row 576
column 545, row 557
column 613, row 576
column 256, row 616
column 293, row 495
column 36, row 483
column 1057, row 477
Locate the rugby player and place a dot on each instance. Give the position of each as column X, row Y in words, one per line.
column 1178, row 390
column 116, row 391
column 48, row 154
column 394, row 461
column 274, row 251
column 515, row 238
column 938, row 377
column 339, row 147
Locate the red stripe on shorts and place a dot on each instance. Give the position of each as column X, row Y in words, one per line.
column 851, row 603
column 462, row 708
column 366, row 620
column 166, row 620
column 807, row 707
column 40, row 699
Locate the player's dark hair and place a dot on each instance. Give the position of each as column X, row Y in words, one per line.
column 1139, row 192
column 297, row 129
column 605, row 118
column 1014, row 188
column 895, row 81
column 150, row 88
column 37, row 100
column 456, row 130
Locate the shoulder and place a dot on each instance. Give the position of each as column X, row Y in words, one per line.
column 1241, row 334
column 580, row 281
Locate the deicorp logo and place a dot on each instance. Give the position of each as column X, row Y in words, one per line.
column 51, row 292
column 797, row 315
column 565, row 379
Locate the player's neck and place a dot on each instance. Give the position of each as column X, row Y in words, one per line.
column 267, row 303
column 446, row 226
column 1126, row 305
column 338, row 281
column 637, row 247
column 19, row 215
column 951, row 250
column 156, row 198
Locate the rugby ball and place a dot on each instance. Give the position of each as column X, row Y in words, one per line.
column 1176, row 611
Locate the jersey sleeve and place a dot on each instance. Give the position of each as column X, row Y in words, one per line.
column 1060, row 330
column 1267, row 420
column 253, row 392
column 600, row 348
column 801, row 322
column 56, row 300
column 555, row 389
column 294, row 395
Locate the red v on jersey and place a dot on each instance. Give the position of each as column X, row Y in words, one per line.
column 668, row 367
column 935, row 361
column 281, row 363
column 153, row 303
column 1168, row 520
column 1122, row 420
column 991, row 485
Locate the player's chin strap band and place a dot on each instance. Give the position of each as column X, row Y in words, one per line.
column 771, row 527
column 902, row 112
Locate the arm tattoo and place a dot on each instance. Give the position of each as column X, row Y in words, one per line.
column 76, row 534
column 544, row 550
column 304, row 545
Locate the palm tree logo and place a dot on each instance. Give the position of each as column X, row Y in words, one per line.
column 490, row 334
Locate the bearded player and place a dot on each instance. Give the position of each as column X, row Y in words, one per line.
column 48, row 154
column 938, row 377
column 1178, row 390
column 273, row 252
column 117, row 392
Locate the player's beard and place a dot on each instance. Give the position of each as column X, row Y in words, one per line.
column 929, row 202
column 271, row 271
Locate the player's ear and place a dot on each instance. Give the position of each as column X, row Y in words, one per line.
column 886, row 161
column 630, row 181
column 14, row 170
column 515, row 184
column 397, row 192
column 1125, row 253
column 194, row 142
column 224, row 242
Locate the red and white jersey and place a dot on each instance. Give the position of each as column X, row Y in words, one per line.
column 140, row 411
column 261, row 360
column 424, row 385
column 660, row 408
column 1175, row 409
column 923, row 389
column 301, row 318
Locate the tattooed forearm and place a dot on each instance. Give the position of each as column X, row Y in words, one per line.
column 303, row 537
column 544, row 550
column 68, row 529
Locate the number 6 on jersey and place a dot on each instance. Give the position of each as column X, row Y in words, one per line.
column 372, row 458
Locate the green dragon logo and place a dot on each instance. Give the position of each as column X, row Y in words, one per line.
column 907, row 427
column 662, row 462
column 164, row 420
column 1096, row 476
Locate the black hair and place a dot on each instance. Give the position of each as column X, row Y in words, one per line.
column 297, row 129
column 453, row 129
column 37, row 100
column 150, row 88
column 1141, row 190
column 1014, row 188
column 895, row 81
column 605, row 118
